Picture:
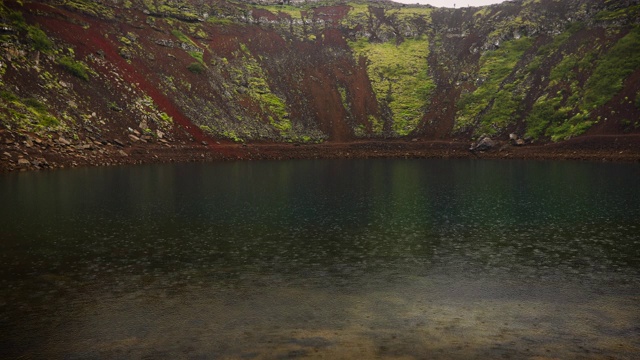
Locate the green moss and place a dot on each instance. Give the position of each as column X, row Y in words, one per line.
column 565, row 70
column 76, row 68
column 399, row 78
column 196, row 68
column 247, row 73
column 612, row 69
column 631, row 12
column 92, row 8
column 198, row 55
column 497, row 101
column 27, row 114
column 545, row 111
column 377, row 125
column 292, row 11
column 8, row 96
column 39, row 39
column 343, row 97
column 219, row 21
column 564, row 130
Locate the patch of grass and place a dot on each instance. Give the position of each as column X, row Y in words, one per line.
column 545, row 111
column 219, row 21
column 76, row 68
column 166, row 118
column 619, row 62
column 498, row 100
column 631, row 12
column 399, row 77
column 246, row 72
column 8, row 95
column 35, row 105
column 196, row 68
column 198, row 55
column 39, row 39
column 184, row 38
column 575, row 125
column 292, row 11
column 92, row 8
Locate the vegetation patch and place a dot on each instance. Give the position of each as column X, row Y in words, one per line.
column 193, row 49
column 92, row 8
column 196, row 68
column 612, row 69
column 75, row 67
column 400, row 79
column 27, row 114
column 493, row 102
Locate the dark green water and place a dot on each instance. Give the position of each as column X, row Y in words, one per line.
column 322, row 259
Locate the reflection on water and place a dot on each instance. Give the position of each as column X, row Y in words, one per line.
column 322, row 259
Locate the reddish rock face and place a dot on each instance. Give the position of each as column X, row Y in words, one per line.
column 271, row 75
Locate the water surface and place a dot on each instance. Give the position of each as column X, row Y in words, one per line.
column 322, row 259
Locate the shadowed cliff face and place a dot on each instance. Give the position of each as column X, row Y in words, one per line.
column 542, row 69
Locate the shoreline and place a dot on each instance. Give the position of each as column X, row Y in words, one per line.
column 29, row 153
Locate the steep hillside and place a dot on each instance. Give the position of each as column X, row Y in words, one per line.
column 100, row 82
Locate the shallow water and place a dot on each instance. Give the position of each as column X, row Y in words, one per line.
column 322, row 259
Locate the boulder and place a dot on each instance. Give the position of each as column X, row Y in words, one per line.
column 23, row 162
column 486, row 143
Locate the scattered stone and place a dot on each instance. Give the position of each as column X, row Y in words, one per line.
column 41, row 162
column 205, row 143
column 133, row 137
column 64, row 141
column 519, row 142
column 165, row 43
column 143, row 125
column 28, row 143
column 6, row 154
column 23, row 162
column 513, row 137
column 118, row 142
column 126, row 53
column 483, row 145
column 160, row 134
column 134, row 131
column 122, row 153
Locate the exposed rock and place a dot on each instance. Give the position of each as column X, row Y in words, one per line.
column 486, row 143
column 23, row 162
column 63, row 141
